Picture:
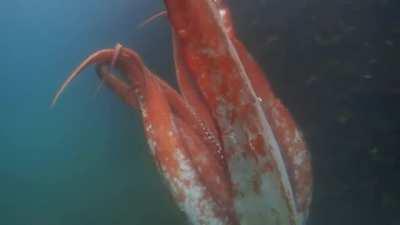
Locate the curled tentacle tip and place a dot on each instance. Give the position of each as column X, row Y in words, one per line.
column 97, row 57
column 117, row 52
column 53, row 103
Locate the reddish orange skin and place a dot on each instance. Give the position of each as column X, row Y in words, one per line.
column 204, row 50
column 225, row 117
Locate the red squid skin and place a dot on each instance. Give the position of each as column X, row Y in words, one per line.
column 194, row 23
column 224, row 117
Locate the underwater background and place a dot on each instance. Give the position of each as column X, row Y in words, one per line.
column 335, row 65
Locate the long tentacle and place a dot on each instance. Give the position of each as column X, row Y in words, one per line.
column 132, row 66
column 97, row 57
column 199, row 149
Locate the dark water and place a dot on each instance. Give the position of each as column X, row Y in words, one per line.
column 335, row 64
